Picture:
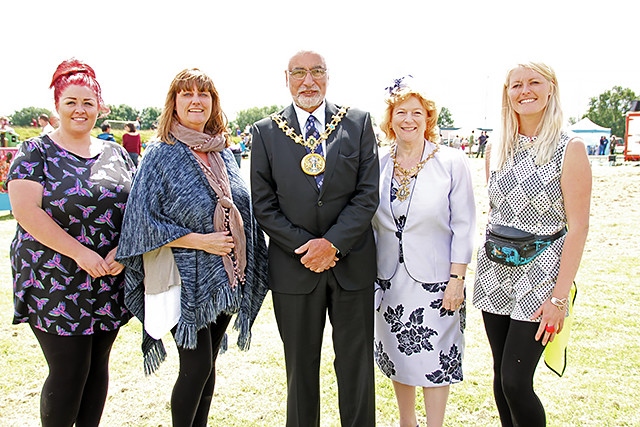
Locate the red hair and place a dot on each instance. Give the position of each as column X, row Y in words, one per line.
column 75, row 72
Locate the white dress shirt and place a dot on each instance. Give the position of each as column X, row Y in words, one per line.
column 319, row 114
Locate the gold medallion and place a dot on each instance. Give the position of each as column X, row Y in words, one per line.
column 312, row 164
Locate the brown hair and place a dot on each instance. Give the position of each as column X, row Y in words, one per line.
column 186, row 80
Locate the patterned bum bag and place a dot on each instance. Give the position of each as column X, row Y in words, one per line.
column 513, row 247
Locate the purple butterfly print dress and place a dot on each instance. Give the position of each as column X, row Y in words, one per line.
column 86, row 197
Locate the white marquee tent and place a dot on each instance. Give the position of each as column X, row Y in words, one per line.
column 590, row 132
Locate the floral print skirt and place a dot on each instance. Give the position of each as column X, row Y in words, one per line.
column 417, row 342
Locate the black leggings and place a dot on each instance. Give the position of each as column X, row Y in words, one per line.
column 193, row 391
column 515, row 356
column 76, row 388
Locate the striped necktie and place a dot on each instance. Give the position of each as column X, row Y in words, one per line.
column 312, row 131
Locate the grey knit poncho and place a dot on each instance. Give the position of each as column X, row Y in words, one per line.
column 170, row 198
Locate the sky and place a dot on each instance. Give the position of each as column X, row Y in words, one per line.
column 459, row 50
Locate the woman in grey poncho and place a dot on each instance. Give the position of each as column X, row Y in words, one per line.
column 193, row 252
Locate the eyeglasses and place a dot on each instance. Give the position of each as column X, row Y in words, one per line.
column 301, row 73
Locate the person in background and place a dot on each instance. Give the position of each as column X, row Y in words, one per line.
column 482, row 144
column 236, row 149
column 43, row 120
column 5, row 125
column 131, row 142
column 613, row 144
column 472, row 141
column 193, row 251
column 314, row 182
column 244, row 144
column 457, row 142
column 539, row 182
column 426, row 195
column 602, row 147
column 54, row 120
column 68, row 193
column 7, row 133
column 106, row 134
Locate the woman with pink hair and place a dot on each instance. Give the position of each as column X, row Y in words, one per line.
column 68, row 191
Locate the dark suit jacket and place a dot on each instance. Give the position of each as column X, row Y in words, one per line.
column 291, row 210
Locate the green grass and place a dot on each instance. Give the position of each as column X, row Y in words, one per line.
column 599, row 388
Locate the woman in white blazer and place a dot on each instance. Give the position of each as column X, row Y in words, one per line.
column 424, row 229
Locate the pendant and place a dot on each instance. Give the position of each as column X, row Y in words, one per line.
column 403, row 193
column 312, row 164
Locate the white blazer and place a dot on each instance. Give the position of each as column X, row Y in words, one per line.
column 441, row 221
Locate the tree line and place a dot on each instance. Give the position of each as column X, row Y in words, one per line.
column 610, row 108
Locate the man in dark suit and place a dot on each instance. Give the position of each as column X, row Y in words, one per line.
column 314, row 184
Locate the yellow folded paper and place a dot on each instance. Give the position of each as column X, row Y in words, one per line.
column 555, row 353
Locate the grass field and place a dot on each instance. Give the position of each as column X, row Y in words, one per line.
column 601, row 386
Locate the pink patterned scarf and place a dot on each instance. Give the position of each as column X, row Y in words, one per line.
column 226, row 216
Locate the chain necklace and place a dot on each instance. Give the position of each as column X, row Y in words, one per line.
column 406, row 174
column 312, row 163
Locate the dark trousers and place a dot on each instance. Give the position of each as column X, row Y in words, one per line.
column 301, row 320
column 515, row 357
column 193, row 390
column 134, row 158
column 76, row 388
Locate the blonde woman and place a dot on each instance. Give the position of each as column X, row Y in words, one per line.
column 539, row 183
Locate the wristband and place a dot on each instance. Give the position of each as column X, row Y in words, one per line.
column 560, row 303
column 457, row 276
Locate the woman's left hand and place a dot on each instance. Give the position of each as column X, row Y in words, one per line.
column 453, row 295
column 115, row 267
column 551, row 321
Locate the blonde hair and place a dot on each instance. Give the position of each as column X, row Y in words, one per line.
column 186, row 80
column 398, row 97
column 549, row 128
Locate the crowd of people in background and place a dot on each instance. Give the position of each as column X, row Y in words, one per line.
column 472, row 146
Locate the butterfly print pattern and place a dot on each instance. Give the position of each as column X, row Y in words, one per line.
column 86, row 197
